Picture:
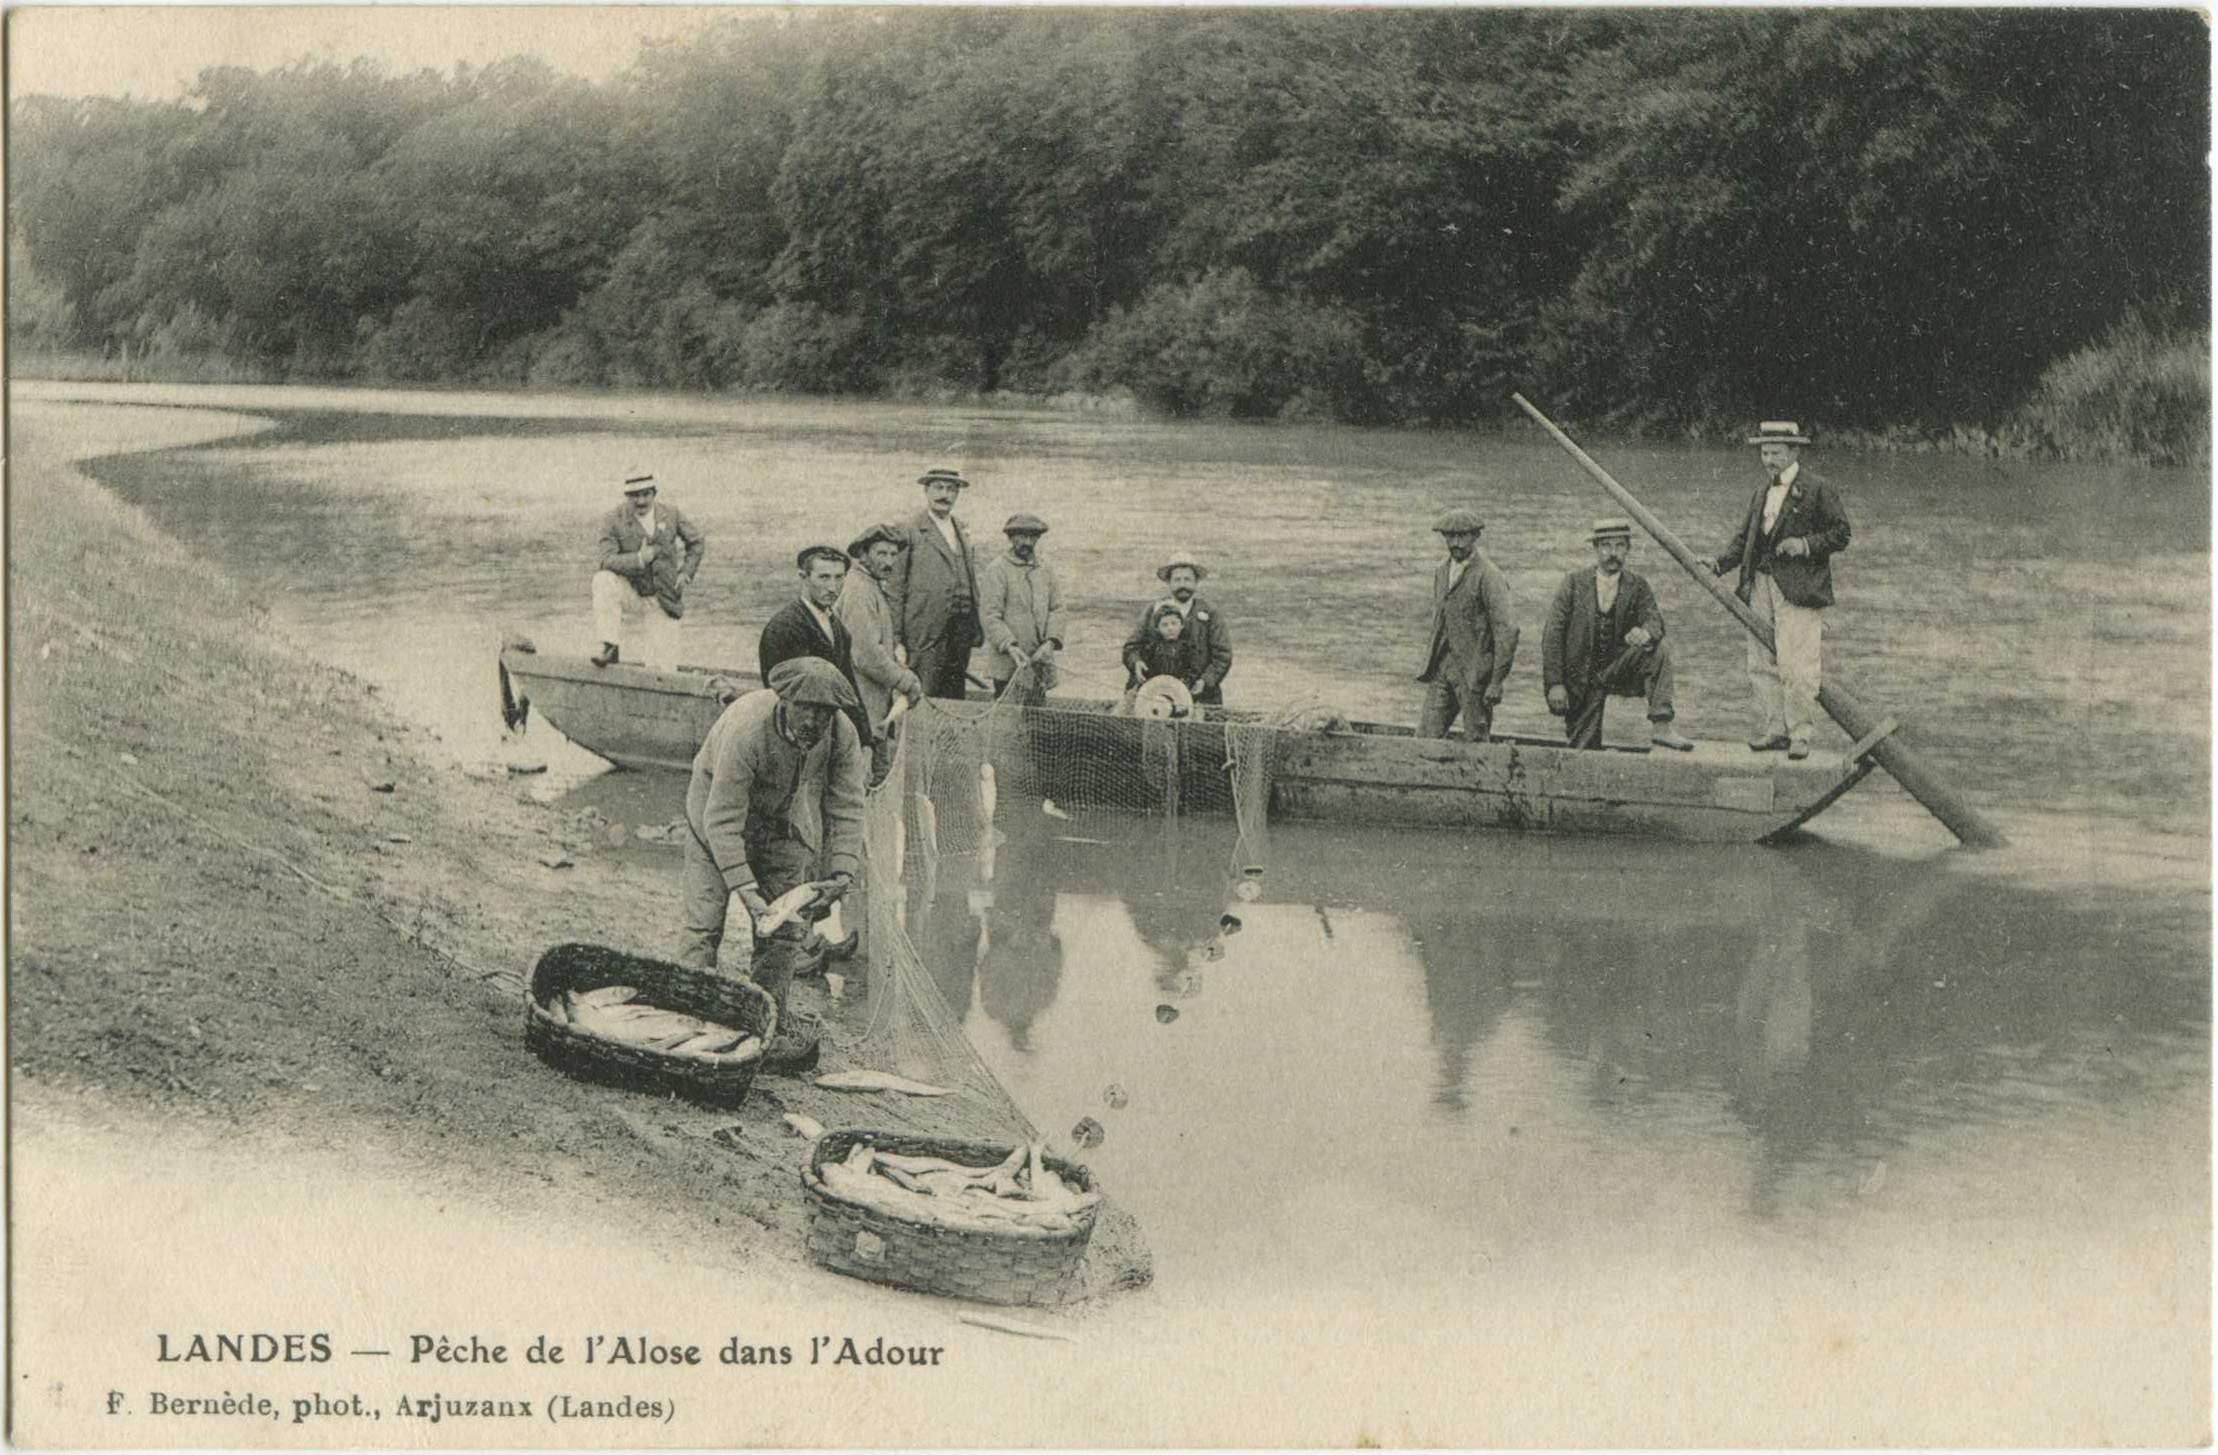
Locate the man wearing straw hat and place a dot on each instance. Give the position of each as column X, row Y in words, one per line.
column 1021, row 602
column 1208, row 637
column 649, row 553
column 1605, row 638
column 933, row 590
column 776, row 801
column 1784, row 548
column 1473, row 640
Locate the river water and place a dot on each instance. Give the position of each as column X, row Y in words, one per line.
column 1868, row 1069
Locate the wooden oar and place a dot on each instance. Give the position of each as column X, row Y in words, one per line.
column 1840, row 704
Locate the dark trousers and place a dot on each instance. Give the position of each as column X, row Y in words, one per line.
column 1646, row 673
column 941, row 663
column 781, row 863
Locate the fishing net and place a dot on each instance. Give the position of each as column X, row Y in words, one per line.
column 960, row 766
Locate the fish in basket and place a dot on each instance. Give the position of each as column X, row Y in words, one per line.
column 978, row 1220
column 647, row 1025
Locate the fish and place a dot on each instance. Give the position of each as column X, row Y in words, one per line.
column 716, row 1040
column 558, row 1007
column 895, row 713
column 745, row 1046
column 802, row 1126
column 928, row 832
column 608, row 995
column 1047, row 806
column 787, row 907
column 899, row 1177
column 878, row 1081
column 988, row 793
column 1035, row 1188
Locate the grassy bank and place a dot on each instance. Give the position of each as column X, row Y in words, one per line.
column 247, row 897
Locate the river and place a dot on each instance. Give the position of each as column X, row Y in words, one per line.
column 1865, row 1071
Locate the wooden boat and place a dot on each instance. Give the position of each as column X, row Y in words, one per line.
column 1369, row 773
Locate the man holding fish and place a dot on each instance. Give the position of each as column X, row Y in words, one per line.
column 880, row 675
column 776, row 813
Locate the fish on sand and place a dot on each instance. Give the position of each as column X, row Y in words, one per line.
column 879, row 1081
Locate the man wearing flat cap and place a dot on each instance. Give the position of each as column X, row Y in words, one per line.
column 1788, row 536
column 1207, row 636
column 1604, row 638
column 1473, row 640
column 649, row 554
column 880, row 676
column 933, row 590
column 807, row 626
column 776, row 802
column 1021, row 602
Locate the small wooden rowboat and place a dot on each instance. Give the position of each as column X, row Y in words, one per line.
column 1371, row 773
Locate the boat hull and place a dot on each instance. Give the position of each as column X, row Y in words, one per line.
column 1365, row 774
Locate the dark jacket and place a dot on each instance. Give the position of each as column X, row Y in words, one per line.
column 1207, row 645
column 793, row 632
column 664, row 578
column 1473, row 640
column 1812, row 511
column 1568, row 652
column 930, row 586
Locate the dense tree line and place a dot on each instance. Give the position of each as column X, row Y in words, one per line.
column 1657, row 219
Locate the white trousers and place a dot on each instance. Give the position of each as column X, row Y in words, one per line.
column 1786, row 690
column 638, row 624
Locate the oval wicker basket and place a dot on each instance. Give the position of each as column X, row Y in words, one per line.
column 1012, row 1266
column 717, row 1081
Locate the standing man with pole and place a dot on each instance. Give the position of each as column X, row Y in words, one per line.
column 933, row 591
column 1784, row 548
column 1473, row 641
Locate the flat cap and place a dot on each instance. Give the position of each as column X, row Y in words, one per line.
column 811, row 679
column 1178, row 559
column 1457, row 521
column 809, row 553
column 943, row 476
column 1611, row 525
column 882, row 531
column 1020, row 523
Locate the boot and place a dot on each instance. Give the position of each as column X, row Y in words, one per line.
column 605, row 657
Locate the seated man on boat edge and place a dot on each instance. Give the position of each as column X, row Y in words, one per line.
column 1473, row 638
column 649, row 554
column 1605, row 638
column 1207, row 638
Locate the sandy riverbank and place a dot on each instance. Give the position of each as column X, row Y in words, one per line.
column 253, row 908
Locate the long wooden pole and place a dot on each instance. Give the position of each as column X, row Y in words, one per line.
column 1911, row 771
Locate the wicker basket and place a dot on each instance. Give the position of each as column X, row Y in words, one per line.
column 717, row 1081
column 1012, row 1266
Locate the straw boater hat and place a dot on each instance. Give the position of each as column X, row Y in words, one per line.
column 860, row 545
column 1609, row 526
column 1163, row 572
column 1778, row 432
column 636, row 483
column 1459, row 522
column 938, row 476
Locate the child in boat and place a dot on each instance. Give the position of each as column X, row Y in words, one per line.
column 1162, row 651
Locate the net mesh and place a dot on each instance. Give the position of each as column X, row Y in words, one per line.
column 958, row 767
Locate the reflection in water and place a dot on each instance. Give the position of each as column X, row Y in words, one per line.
column 1020, row 968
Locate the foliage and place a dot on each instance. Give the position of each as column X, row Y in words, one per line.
column 1660, row 220
column 2137, row 395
